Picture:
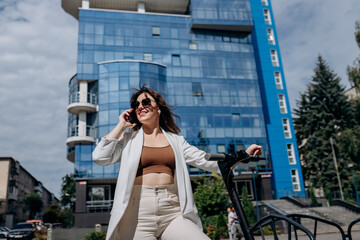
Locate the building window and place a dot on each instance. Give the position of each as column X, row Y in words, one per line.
column 236, row 119
column 291, row 154
column 295, row 179
column 267, row 16
column 274, row 58
column 286, row 127
column 282, row 103
column 98, row 196
column 147, row 56
column 221, row 148
column 193, row 45
column 197, row 89
column 278, row 80
column 156, row 31
column 176, row 60
column 271, row 37
column 265, row 2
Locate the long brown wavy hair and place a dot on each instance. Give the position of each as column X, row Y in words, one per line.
column 167, row 117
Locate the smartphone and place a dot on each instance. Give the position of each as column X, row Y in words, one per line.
column 132, row 118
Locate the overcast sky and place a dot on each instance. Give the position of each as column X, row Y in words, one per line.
column 38, row 46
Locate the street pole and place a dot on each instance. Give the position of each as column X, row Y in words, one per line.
column 257, row 204
column 354, row 181
column 336, row 168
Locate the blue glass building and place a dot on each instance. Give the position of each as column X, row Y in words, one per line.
column 217, row 62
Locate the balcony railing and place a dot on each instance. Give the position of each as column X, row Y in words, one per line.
column 99, row 206
column 74, row 131
column 78, row 104
column 77, row 136
column 75, row 98
column 13, row 193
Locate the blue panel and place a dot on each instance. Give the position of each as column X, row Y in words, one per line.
column 221, row 82
column 219, row 12
column 282, row 181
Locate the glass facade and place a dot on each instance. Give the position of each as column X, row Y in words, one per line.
column 216, row 76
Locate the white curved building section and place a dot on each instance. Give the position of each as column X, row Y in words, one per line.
column 158, row 6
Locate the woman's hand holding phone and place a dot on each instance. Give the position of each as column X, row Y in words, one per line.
column 128, row 118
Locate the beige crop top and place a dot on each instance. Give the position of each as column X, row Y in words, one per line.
column 157, row 160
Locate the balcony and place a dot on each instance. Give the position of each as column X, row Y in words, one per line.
column 38, row 189
column 99, row 205
column 71, row 154
column 158, row 6
column 13, row 193
column 75, row 136
column 76, row 104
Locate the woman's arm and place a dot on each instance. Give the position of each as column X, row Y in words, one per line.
column 108, row 150
column 196, row 157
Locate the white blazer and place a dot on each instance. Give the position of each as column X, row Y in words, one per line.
column 127, row 149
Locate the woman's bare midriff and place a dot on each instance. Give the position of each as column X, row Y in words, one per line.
column 154, row 179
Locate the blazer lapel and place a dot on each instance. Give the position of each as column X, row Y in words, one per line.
column 180, row 168
column 135, row 151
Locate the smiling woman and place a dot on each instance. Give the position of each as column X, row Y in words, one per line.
column 153, row 172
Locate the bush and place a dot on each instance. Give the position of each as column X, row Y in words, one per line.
column 95, row 236
column 248, row 207
column 67, row 217
column 41, row 234
column 267, row 231
column 312, row 196
column 216, row 226
column 328, row 195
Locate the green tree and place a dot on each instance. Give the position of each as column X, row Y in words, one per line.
column 354, row 76
column 323, row 112
column 95, row 236
column 211, row 200
column 33, row 203
column 2, row 219
column 67, row 189
column 354, row 71
column 248, row 207
column 52, row 214
column 210, row 196
column 67, row 217
column 312, row 196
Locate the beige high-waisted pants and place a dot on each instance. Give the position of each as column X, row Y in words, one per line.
column 154, row 213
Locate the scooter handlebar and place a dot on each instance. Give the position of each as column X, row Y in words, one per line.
column 215, row 157
column 241, row 156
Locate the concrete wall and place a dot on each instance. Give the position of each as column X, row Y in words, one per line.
column 4, row 177
column 71, row 233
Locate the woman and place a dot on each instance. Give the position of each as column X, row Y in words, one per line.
column 153, row 198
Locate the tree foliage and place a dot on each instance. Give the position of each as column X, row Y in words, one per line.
column 323, row 112
column 67, row 189
column 354, row 71
column 33, row 203
column 52, row 214
column 248, row 207
column 210, row 196
column 211, row 200
column 95, row 236
column 67, row 217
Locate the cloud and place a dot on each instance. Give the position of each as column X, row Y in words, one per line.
column 307, row 29
column 37, row 58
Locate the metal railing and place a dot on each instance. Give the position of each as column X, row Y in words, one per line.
column 99, row 205
column 90, row 131
column 75, row 98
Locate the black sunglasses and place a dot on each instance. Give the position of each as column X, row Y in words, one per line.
column 146, row 103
